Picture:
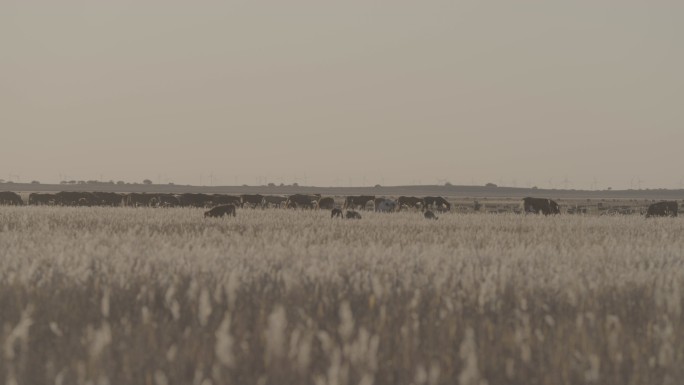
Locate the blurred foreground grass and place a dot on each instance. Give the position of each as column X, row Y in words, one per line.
column 144, row 296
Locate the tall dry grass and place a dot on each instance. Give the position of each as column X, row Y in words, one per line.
column 143, row 296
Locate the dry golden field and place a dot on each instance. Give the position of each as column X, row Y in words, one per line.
column 154, row 296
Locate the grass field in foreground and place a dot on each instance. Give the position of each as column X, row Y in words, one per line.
column 145, row 296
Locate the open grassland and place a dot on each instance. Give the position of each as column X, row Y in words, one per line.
column 145, row 296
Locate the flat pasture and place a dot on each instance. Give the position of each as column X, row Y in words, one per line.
column 166, row 296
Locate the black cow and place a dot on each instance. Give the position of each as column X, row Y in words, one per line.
column 222, row 199
column 353, row 215
column 107, row 199
column 429, row 215
column 438, row 203
column 220, row 211
column 140, row 199
column 10, row 198
column 75, row 198
column 663, row 209
column 195, row 200
column 359, row 201
column 38, row 199
column 252, row 200
column 302, row 201
column 540, row 206
column 336, row 213
column 327, row 203
column 410, row 202
column 167, row 200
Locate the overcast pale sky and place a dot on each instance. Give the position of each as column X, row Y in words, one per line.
column 349, row 92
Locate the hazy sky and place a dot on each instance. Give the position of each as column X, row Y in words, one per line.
column 333, row 93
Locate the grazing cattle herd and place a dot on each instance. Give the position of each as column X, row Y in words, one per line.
column 222, row 204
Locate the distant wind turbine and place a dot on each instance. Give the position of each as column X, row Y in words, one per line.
column 566, row 183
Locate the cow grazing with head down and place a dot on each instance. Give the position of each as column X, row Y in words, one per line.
column 336, row 213
column 540, row 206
column 302, row 201
column 359, row 201
column 220, row 211
column 437, row 203
column 663, row 209
column 351, row 214
column 430, row 215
